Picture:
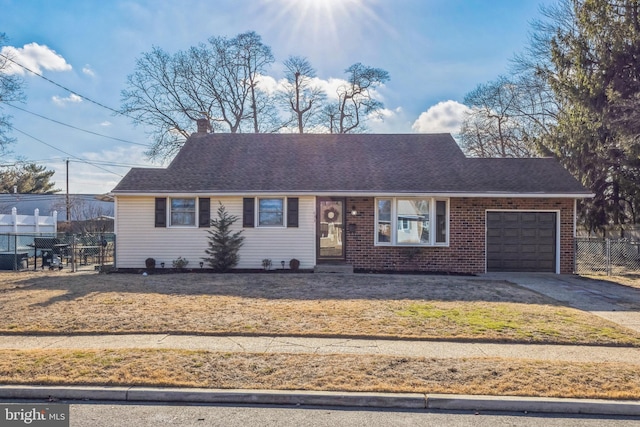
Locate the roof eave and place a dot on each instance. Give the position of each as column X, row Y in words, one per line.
column 346, row 193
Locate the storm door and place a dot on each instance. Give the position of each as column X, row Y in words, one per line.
column 330, row 233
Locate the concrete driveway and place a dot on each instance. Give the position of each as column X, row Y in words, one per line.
column 617, row 303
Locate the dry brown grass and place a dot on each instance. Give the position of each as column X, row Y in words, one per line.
column 433, row 307
column 632, row 280
column 320, row 372
column 425, row 307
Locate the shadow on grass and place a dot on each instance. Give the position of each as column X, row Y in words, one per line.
column 304, row 287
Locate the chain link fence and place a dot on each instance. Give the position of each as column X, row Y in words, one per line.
column 75, row 252
column 607, row 256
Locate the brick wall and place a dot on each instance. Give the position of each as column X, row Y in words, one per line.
column 466, row 250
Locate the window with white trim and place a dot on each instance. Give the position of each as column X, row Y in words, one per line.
column 183, row 212
column 412, row 221
column 271, row 212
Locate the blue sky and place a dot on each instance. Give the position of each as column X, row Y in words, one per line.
column 434, row 50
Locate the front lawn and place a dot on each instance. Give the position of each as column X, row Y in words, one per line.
column 413, row 307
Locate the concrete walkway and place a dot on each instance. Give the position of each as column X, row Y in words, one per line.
column 615, row 303
column 409, row 348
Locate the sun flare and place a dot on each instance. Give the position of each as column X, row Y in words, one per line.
column 323, row 21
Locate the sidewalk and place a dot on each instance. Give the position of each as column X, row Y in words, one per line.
column 409, row 348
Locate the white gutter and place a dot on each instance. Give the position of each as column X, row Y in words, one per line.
column 360, row 194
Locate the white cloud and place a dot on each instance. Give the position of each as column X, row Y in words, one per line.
column 330, row 86
column 88, row 71
column 106, row 123
column 390, row 121
column 269, row 84
column 71, row 99
column 444, row 117
column 34, row 57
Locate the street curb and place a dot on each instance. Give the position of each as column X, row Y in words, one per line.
column 282, row 397
column 198, row 395
column 451, row 402
column 454, row 402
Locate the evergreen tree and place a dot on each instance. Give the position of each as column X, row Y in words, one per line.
column 592, row 49
column 223, row 244
column 27, row 178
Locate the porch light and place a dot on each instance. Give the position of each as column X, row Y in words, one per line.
column 201, row 264
column 354, row 211
column 162, row 264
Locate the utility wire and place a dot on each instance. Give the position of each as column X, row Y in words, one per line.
column 59, row 85
column 86, row 98
column 72, row 91
column 76, row 128
column 68, row 154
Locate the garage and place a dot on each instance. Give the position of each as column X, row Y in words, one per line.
column 521, row 241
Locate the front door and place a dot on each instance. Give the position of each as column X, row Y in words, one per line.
column 330, row 233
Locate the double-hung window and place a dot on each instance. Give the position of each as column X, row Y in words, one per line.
column 271, row 212
column 412, row 221
column 183, row 212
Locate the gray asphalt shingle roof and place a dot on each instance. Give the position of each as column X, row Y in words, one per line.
column 355, row 163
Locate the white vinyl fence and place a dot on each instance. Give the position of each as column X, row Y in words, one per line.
column 35, row 223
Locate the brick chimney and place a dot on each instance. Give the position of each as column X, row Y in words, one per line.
column 203, row 125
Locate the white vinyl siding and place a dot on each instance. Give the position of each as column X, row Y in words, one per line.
column 138, row 238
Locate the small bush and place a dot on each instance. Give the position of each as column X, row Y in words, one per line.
column 180, row 263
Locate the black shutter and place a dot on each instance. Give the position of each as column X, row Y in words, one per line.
column 292, row 212
column 161, row 211
column 248, row 212
column 204, row 212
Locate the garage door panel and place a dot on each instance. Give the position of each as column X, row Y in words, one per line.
column 529, row 233
column 521, row 241
column 512, row 233
column 528, row 218
column 547, row 233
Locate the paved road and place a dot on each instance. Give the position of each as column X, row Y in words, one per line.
column 108, row 415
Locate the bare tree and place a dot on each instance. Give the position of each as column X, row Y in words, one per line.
column 155, row 96
column 300, row 96
column 254, row 58
column 218, row 79
column 508, row 117
column 356, row 99
column 10, row 91
column 86, row 216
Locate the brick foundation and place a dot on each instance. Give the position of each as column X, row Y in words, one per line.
column 466, row 251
